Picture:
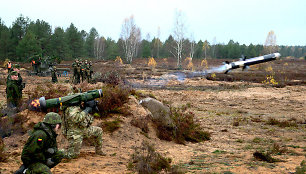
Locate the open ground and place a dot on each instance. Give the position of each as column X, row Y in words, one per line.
column 242, row 113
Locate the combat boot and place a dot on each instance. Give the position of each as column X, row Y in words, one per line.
column 100, row 152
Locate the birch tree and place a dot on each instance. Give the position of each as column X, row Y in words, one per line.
column 214, row 42
column 158, row 41
column 99, row 47
column 270, row 44
column 131, row 37
column 192, row 45
column 205, row 47
column 178, row 35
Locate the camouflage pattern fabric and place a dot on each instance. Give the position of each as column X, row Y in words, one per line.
column 76, row 127
column 13, row 91
column 53, row 75
column 83, row 72
column 37, row 149
column 38, row 168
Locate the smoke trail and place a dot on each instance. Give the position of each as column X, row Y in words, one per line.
column 218, row 69
column 179, row 76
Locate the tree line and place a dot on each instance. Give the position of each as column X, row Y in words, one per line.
column 26, row 39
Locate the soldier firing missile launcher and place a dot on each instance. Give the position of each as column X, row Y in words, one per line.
column 245, row 63
column 69, row 100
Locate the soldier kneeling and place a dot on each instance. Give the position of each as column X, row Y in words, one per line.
column 40, row 153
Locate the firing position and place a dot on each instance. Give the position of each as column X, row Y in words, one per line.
column 40, row 152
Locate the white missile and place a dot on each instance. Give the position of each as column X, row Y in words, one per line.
column 245, row 63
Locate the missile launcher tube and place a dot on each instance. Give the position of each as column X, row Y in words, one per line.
column 70, row 100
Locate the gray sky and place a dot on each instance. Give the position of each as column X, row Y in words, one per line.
column 244, row 21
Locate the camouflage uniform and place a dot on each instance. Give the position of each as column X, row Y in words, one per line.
column 91, row 71
column 40, row 152
column 54, row 74
column 78, row 72
column 83, row 71
column 75, row 70
column 13, row 90
column 76, row 127
column 87, row 69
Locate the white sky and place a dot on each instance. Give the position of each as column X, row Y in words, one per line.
column 244, row 21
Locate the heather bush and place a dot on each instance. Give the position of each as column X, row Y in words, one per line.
column 146, row 160
column 113, row 98
column 185, row 128
column 48, row 90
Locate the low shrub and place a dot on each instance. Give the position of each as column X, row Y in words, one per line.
column 185, row 128
column 285, row 123
column 112, row 77
column 113, row 98
column 147, row 161
column 48, row 90
column 111, row 126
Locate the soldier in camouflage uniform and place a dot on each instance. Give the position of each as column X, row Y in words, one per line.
column 79, row 72
column 54, row 74
column 91, row 71
column 77, row 126
column 87, row 69
column 75, row 70
column 40, row 152
column 13, row 89
column 83, row 70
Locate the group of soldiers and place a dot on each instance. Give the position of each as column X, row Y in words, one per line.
column 41, row 152
column 82, row 69
column 14, row 85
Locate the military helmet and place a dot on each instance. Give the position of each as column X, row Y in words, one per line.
column 14, row 73
column 54, row 67
column 52, row 118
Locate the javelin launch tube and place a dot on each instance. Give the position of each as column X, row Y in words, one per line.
column 70, row 100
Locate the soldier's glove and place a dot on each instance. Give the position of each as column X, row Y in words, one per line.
column 50, row 163
column 91, row 103
column 51, row 151
column 91, row 106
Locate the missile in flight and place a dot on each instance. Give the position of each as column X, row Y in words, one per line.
column 245, row 63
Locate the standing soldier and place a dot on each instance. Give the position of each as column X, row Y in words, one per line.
column 34, row 66
column 87, row 71
column 90, row 67
column 16, row 67
column 75, row 70
column 78, row 74
column 54, row 74
column 40, row 152
column 39, row 65
column 13, row 90
column 9, row 66
column 83, row 72
column 77, row 126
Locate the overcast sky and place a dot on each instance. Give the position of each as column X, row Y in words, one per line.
column 244, row 21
